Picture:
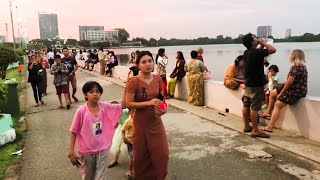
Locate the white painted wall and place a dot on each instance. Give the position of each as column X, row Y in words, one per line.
column 302, row 117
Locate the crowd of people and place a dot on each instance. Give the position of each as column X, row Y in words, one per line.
column 136, row 121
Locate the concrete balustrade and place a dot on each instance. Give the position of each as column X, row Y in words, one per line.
column 301, row 118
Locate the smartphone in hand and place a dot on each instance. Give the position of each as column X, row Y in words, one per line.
column 78, row 163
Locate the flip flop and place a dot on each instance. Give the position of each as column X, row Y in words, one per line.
column 113, row 164
column 61, row 107
column 265, row 117
column 266, row 130
column 247, row 130
column 75, row 99
column 260, row 135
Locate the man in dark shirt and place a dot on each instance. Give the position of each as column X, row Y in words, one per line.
column 72, row 67
column 94, row 59
column 254, row 81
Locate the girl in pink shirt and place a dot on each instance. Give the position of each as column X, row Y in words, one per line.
column 93, row 128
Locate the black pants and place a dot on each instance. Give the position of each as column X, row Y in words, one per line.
column 36, row 87
column 109, row 68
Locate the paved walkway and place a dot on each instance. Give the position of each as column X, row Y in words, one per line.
column 199, row 148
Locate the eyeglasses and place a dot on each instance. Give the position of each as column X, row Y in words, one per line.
column 144, row 93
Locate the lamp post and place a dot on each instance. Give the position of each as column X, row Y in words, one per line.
column 14, row 41
column 19, row 33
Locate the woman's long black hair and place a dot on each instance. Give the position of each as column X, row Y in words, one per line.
column 160, row 53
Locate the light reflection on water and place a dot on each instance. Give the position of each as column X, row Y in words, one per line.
column 218, row 57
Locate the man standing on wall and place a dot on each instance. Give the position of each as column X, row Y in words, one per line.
column 72, row 67
column 254, row 81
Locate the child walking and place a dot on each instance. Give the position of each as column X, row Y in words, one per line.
column 127, row 136
column 273, row 82
column 93, row 127
column 19, row 69
column 60, row 71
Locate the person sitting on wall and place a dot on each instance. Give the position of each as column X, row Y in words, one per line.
column 289, row 92
column 234, row 76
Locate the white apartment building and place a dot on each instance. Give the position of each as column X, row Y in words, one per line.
column 100, row 35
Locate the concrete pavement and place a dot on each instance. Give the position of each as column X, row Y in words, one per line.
column 199, row 148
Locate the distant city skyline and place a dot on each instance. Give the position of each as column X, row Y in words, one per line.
column 183, row 19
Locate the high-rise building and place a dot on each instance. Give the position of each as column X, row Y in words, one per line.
column 2, row 38
column 288, row 33
column 264, row 31
column 97, row 33
column 48, row 24
column 83, row 31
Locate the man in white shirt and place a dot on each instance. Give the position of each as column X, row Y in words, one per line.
column 50, row 56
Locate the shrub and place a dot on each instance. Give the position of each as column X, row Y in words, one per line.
column 3, row 93
column 7, row 56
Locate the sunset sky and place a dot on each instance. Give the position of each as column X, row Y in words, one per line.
column 167, row 18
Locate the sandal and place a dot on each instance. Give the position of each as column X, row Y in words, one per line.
column 260, row 135
column 112, row 164
column 37, row 105
column 130, row 175
column 61, row 106
column 75, row 99
column 266, row 130
column 247, row 130
column 42, row 102
column 265, row 116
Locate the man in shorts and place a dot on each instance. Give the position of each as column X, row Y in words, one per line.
column 60, row 71
column 254, row 81
column 72, row 66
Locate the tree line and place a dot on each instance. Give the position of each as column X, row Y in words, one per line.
column 152, row 42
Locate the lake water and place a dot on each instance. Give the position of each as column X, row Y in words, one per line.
column 218, row 57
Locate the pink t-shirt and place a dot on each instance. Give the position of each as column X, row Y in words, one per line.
column 94, row 133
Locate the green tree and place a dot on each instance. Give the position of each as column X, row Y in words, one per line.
column 72, row 42
column 7, row 56
column 123, row 35
column 84, row 43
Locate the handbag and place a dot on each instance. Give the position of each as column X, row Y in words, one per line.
column 206, row 75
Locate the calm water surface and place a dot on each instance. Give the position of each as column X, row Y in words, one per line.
column 218, row 57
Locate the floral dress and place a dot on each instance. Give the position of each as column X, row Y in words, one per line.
column 299, row 87
column 195, row 82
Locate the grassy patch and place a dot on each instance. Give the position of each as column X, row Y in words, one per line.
column 6, row 159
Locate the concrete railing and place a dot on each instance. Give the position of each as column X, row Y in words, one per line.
column 301, row 117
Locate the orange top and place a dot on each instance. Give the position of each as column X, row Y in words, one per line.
column 19, row 68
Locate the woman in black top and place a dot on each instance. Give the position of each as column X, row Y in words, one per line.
column 35, row 70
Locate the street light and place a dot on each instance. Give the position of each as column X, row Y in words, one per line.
column 14, row 41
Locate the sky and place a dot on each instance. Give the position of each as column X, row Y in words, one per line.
column 183, row 19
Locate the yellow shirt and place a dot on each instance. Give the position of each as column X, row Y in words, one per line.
column 128, row 128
